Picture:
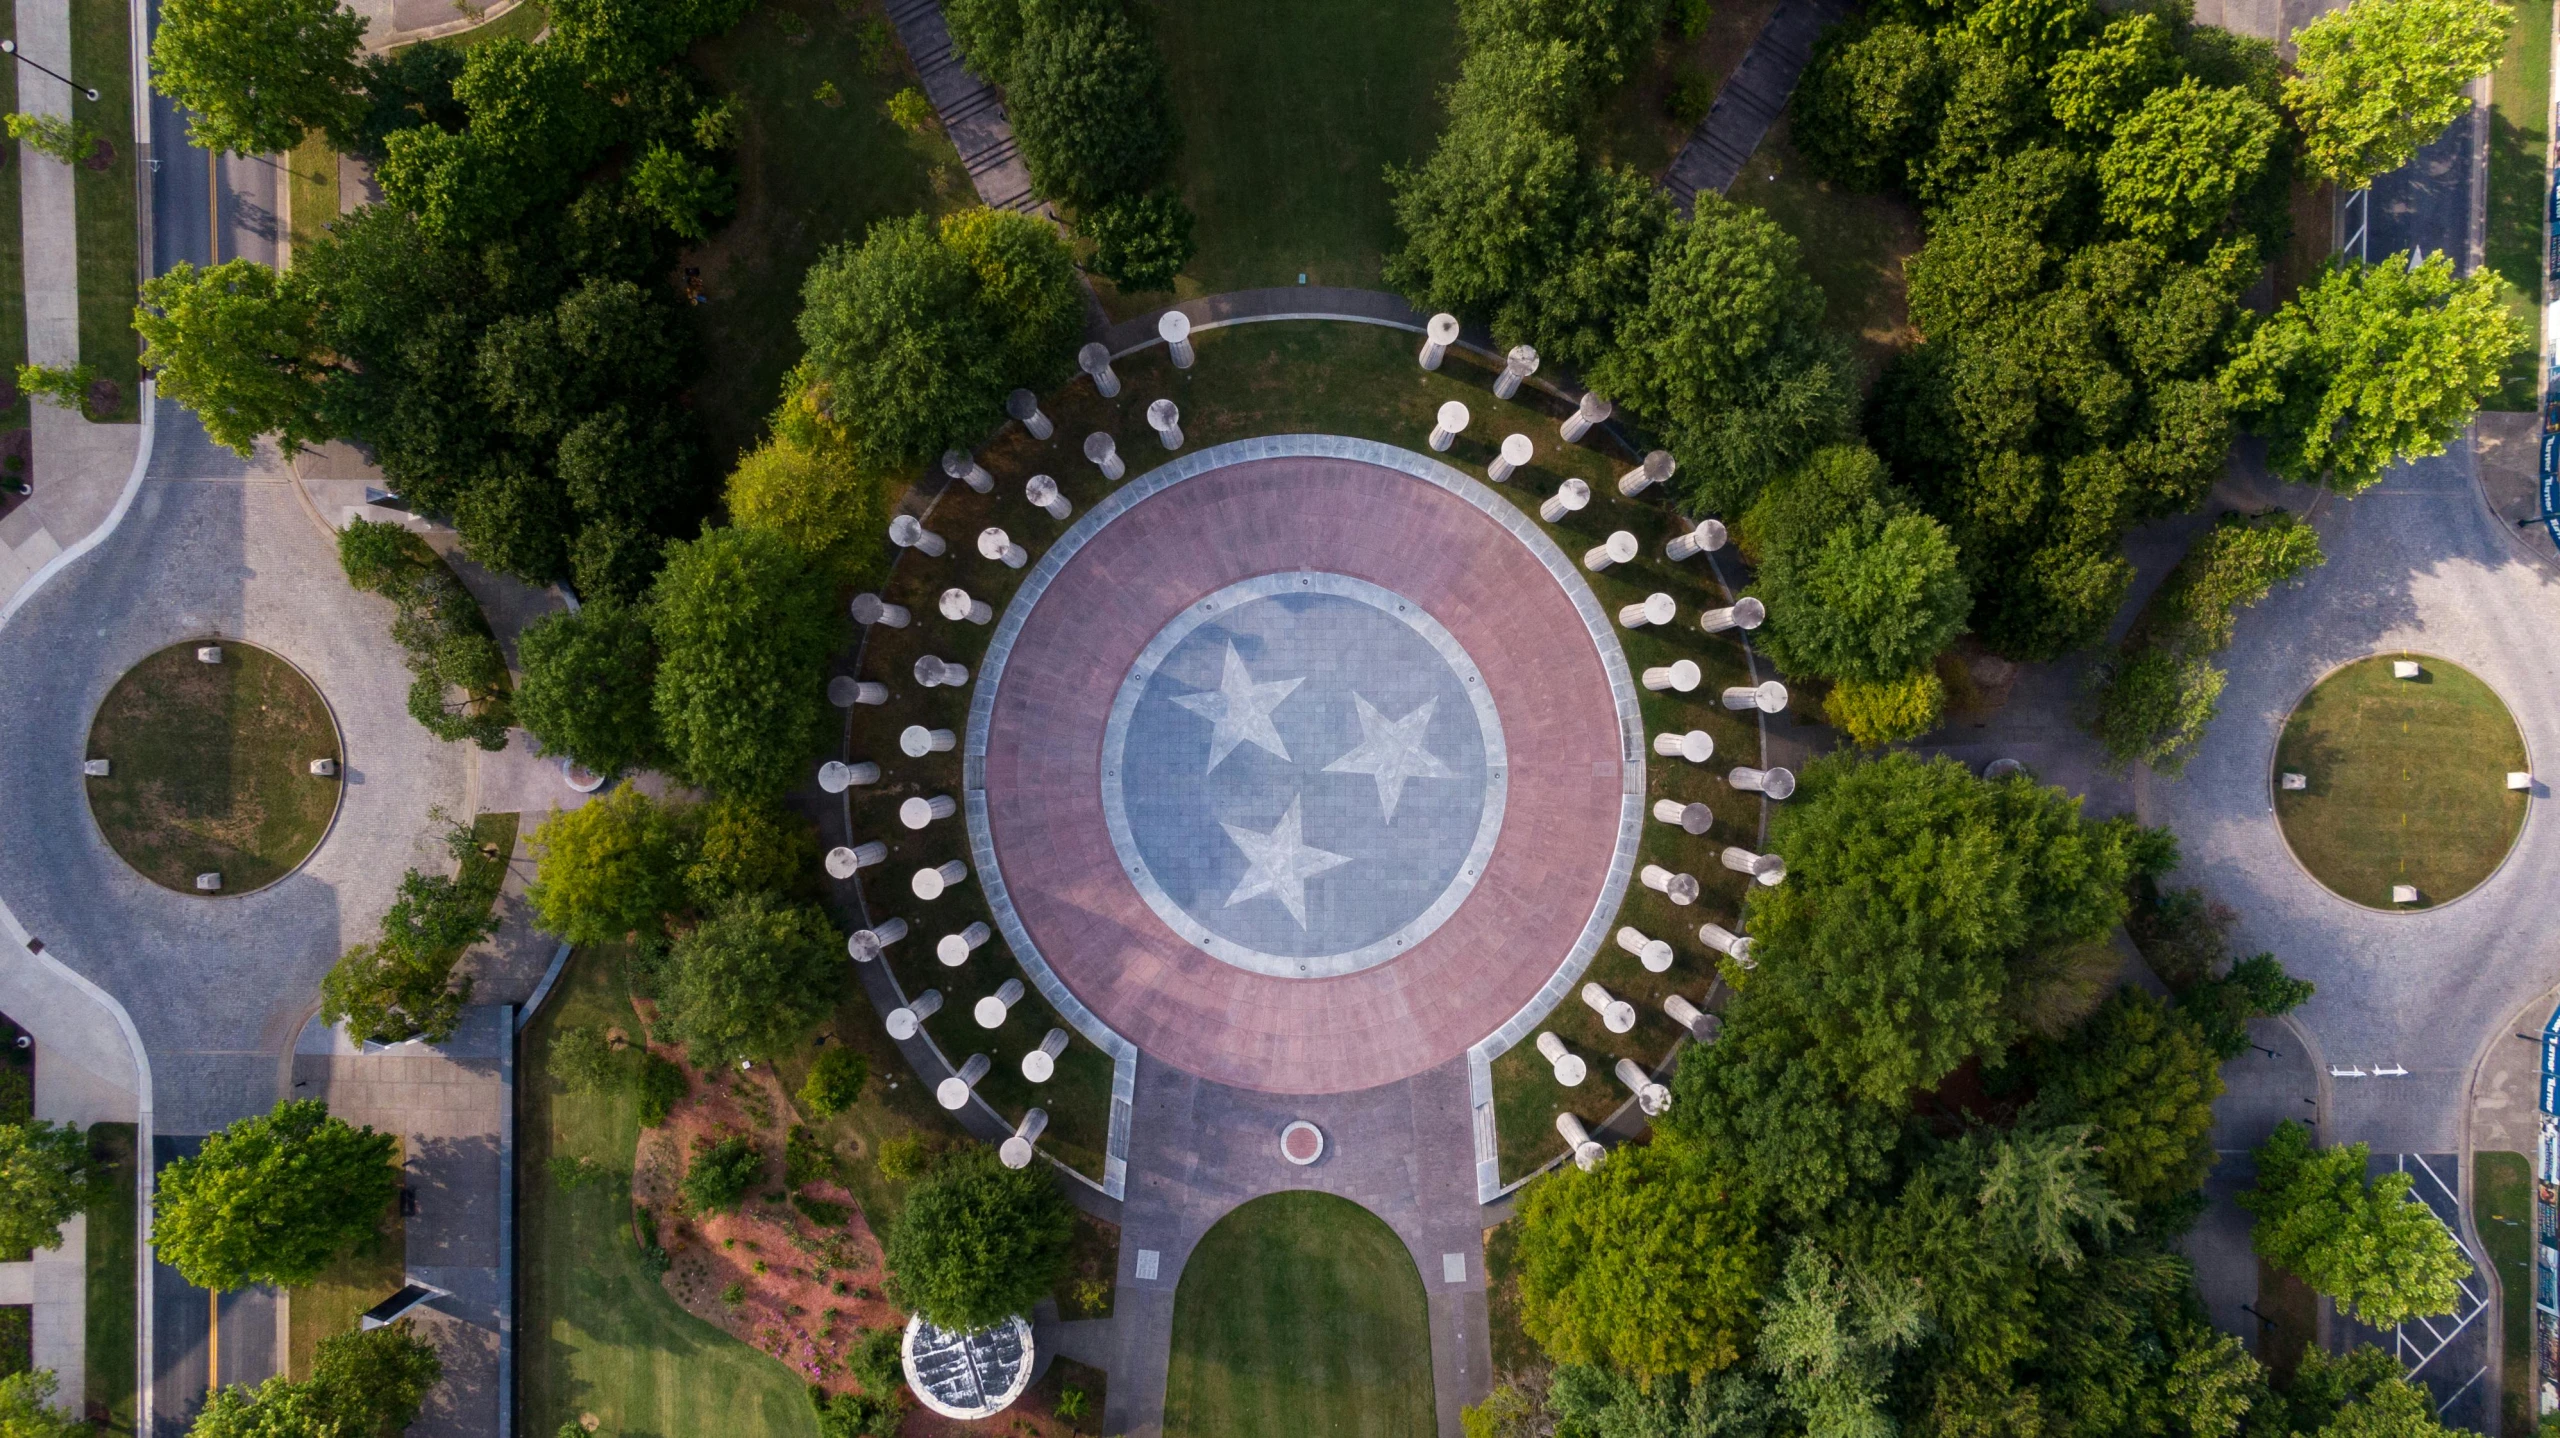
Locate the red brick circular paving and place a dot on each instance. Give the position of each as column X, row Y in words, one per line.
column 1043, row 784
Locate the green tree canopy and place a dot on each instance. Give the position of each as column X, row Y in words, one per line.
column 1087, row 91
column 2094, row 88
column 1646, row 1264
column 2361, row 1393
column 1484, row 216
column 46, row 1176
column 258, row 74
column 806, row 485
column 2140, row 1076
column 273, row 1199
column 1858, row 585
column 589, row 680
column 374, row 1381
column 2372, row 365
column 27, row 1408
column 608, row 869
column 742, row 847
column 2375, row 80
column 2366, row 1243
column 400, row 986
column 2179, row 162
column 240, row 346
column 744, row 630
column 1869, row 105
column 751, row 982
column 978, row 1242
column 1792, row 1140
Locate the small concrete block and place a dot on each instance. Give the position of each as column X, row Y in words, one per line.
column 2404, row 893
column 2404, row 668
column 208, row 883
column 208, row 654
column 1453, row 1268
column 94, row 768
column 324, row 768
column 2293, row 781
column 1148, row 1262
column 2516, row 779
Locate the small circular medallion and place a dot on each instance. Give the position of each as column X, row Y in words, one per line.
column 1302, row 1143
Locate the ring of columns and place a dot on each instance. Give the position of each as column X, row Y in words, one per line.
column 1511, row 945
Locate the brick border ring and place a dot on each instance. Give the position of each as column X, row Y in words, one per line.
column 1516, row 605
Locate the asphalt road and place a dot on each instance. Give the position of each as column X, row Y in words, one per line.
column 191, row 1340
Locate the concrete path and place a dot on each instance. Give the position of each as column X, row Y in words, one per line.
column 1751, row 101
column 971, row 110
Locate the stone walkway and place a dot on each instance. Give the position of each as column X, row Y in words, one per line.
column 1751, row 101
column 971, row 110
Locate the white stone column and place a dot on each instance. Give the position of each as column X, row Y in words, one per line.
column 1697, row 746
column 1769, row 869
column 1023, row 405
column 1702, row 1026
column 1567, row 1065
column 1618, row 548
column 1440, row 332
column 908, row 532
column 1692, row 818
column 906, row 1023
column 1174, row 328
column 1657, row 467
column 1680, row 677
column 1586, row 1154
column 1653, row 609
column 964, row 467
column 919, row 811
column 844, row 691
column 1616, row 1014
column 835, row 776
column 1165, row 418
column 1725, row 941
column 1745, row 613
column 1655, row 954
column 1041, row 1064
column 1452, row 421
column 1517, row 450
column 991, row 1010
column 1707, row 538
column 915, row 741
column 1570, row 496
column 845, row 860
column 1591, row 410
column 1095, row 360
column 868, row 944
column 1043, row 493
column 1017, row 1151
column 869, row 608
column 1681, row 889
column 936, row 672
column 1518, row 365
column 1768, row 696
column 931, row 883
column 995, row 544
column 1651, row 1098
column 959, row 607
column 953, row 1093
column 954, row 949
column 1100, row 448
column 1768, row 783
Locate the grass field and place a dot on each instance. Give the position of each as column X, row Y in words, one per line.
column 2502, row 1209
column 810, row 174
column 1299, row 1314
column 311, row 187
column 596, row 1334
column 359, row 1278
column 106, row 201
column 2519, row 135
column 1290, row 115
column 1316, row 376
column 211, row 767
column 1853, row 244
column 110, row 1320
column 2407, row 781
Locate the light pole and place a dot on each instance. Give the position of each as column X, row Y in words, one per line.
column 10, row 47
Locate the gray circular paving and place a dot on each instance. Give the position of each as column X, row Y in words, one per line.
column 1303, row 774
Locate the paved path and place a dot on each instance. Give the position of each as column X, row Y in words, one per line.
column 1751, row 101
column 971, row 110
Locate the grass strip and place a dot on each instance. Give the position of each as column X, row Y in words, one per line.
column 107, row 204
column 2519, row 138
column 311, row 188
column 112, row 1280
column 2502, row 1209
column 13, row 257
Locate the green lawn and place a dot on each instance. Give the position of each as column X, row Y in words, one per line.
column 102, row 55
column 1334, row 378
column 311, row 181
column 2407, row 781
column 1853, row 244
column 521, row 23
column 596, row 1334
column 1290, row 115
column 2502, row 1208
column 359, row 1278
column 2519, row 131
column 810, row 174
column 112, row 1282
column 1300, row 1314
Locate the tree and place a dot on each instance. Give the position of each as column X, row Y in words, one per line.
column 2139, row 1074
column 1140, row 241
column 744, row 633
column 400, row 987
column 663, row 1085
column 2179, row 162
column 2374, row 364
column 1485, row 216
column 258, row 74
column 403, row 88
column 742, row 848
column 374, row 1381
column 1608, row 36
column 1869, row 104
column 835, row 1081
column 2377, row 79
column 66, row 138
column 1874, row 715
column 46, row 1176
column 589, row 677
column 609, row 869
column 585, row 1062
column 682, row 192
column 751, row 982
column 978, row 1242
column 2361, row 1393
column 2379, row 1252
column 273, row 1199
column 27, row 1408
column 1086, row 90
column 720, row 1173
column 820, row 501
column 1872, row 600
column 2158, row 693
column 1791, row 1139
column 1645, row 1264
column 240, row 346
column 2255, row 987
column 277, row 1408
column 2098, row 86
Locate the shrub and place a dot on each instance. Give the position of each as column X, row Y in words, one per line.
column 805, row 1157
column 1692, row 95
column 835, row 1081
column 460, row 688
column 68, row 140
column 910, row 111
column 821, row 1212
column 1876, row 714
column 584, row 1062
column 66, row 386
column 720, row 1173
column 2157, row 693
column 901, row 1159
column 1140, row 242
column 663, row 1084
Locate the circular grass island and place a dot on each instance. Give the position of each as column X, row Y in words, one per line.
column 209, row 767
column 2403, row 781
